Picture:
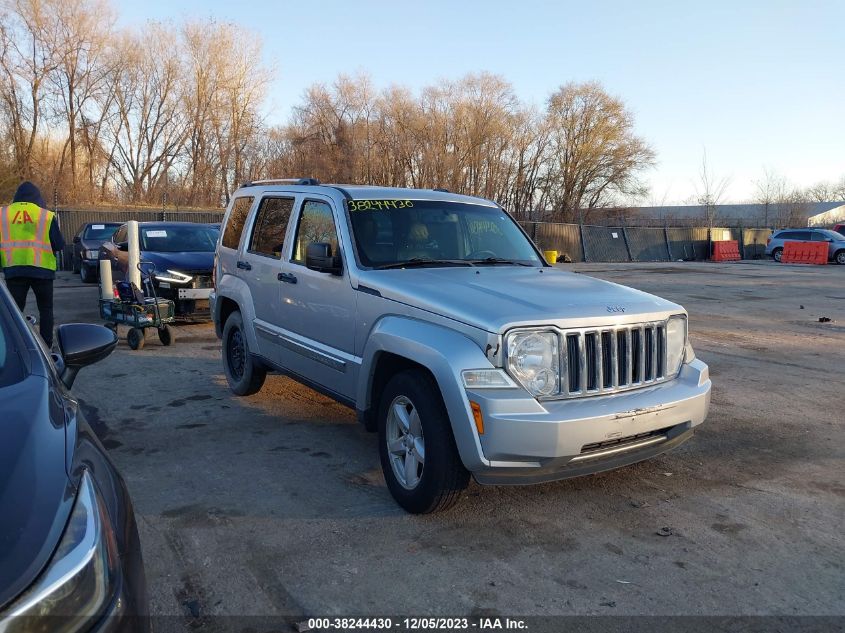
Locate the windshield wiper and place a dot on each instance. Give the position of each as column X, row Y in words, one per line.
column 418, row 262
column 492, row 261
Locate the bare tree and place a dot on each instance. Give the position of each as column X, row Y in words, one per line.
column 594, row 153
column 710, row 190
column 827, row 191
column 83, row 31
column 28, row 31
column 772, row 189
column 150, row 128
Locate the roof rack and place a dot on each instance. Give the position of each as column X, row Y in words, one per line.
column 283, row 181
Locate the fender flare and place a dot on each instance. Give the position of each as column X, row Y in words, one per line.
column 445, row 353
column 235, row 289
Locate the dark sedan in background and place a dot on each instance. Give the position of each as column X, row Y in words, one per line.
column 182, row 254
column 70, row 558
column 86, row 248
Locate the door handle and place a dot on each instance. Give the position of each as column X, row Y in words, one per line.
column 289, row 278
column 244, row 265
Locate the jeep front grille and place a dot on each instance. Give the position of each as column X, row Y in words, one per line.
column 608, row 360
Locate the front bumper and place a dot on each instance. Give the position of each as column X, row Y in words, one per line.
column 195, row 304
column 526, row 441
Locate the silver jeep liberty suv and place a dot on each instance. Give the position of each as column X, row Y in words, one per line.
column 437, row 319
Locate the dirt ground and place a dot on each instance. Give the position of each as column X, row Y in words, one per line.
column 274, row 504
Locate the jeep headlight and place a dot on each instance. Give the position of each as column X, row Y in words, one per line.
column 92, row 254
column 533, row 360
column 676, row 343
column 81, row 578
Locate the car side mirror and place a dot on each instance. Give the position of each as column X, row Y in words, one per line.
column 82, row 344
column 76, row 239
column 318, row 256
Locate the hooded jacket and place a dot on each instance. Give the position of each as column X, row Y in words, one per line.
column 28, row 192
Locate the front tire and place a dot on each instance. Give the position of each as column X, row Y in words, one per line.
column 86, row 274
column 418, row 455
column 777, row 254
column 244, row 375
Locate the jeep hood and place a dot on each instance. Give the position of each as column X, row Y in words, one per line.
column 495, row 298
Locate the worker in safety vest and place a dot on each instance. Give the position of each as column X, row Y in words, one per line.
column 29, row 239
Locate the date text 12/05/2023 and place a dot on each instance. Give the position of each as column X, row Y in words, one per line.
column 415, row 624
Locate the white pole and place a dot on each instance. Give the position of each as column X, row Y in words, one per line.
column 134, row 253
column 106, row 290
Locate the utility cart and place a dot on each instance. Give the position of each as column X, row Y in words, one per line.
column 137, row 310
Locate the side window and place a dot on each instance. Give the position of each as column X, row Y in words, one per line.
column 819, row 237
column 788, row 235
column 316, row 224
column 268, row 230
column 803, row 235
column 237, row 219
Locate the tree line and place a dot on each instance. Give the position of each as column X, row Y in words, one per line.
column 171, row 115
column 107, row 115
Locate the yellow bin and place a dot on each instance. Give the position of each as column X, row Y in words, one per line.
column 551, row 256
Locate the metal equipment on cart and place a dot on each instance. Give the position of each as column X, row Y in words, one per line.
column 139, row 310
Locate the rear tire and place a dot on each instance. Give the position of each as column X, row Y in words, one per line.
column 418, row 455
column 166, row 335
column 135, row 338
column 839, row 257
column 244, row 375
column 777, row 254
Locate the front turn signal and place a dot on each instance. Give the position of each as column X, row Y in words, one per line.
column 476, row 415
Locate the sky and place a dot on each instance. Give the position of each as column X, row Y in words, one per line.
column 756, row 85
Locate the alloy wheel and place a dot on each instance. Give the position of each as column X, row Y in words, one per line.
column 405, row 442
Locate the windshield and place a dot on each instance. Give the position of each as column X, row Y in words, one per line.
column 100, row 232
column 390, row 232
column 197, row 238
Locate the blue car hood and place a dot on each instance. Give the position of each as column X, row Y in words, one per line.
column 182, row 261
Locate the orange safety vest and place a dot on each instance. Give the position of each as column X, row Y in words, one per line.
column 25, row 236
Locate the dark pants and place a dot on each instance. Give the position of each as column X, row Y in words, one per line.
column 43, row 289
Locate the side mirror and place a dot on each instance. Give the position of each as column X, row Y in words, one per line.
column 82, row 344
column 122, row 246
column 318, row 256
column 76, row 239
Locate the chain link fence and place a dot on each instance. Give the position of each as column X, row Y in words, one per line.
column 590, row 243
column 647, row 244
column 754, row 243
column 688, row 243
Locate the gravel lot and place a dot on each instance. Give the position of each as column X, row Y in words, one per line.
column 275, row 504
